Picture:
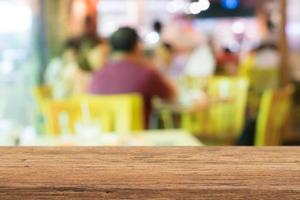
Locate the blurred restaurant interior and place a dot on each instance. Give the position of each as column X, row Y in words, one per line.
column 149, row 72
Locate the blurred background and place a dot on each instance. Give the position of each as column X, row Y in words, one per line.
column 221, row 72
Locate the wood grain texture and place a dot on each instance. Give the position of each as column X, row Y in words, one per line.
column 149, row 173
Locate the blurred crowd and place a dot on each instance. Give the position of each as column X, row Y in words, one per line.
column 124, row 63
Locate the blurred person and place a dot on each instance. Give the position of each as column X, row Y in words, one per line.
column 90, row 37
column 164, row 56
column 158, row 26
column 98, row 56
column 68, row 54
column 181, row 33
column 93, row 57
column 265, row 56
column 169, row 61
column 55, row 73
column 90, row 59
column 127, row 72
column 227, row 62
column 65, row 74
column 93, row 50
column 202, row 62
column 153, row 41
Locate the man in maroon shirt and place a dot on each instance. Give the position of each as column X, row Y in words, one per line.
column 127, row 72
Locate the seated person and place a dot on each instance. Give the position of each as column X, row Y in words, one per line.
column 127, row 72
column 67, row 74
column 164, row 55
column 97, row 56
column 227, row 62
column 201, row 63
column 58, row 74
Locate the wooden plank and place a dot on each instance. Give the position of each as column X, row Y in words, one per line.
column 150, row 173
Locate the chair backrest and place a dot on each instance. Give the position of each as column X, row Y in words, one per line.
column 126, row 112
column 61, row 116
column 259, row 84
column 228, row 96
column 42, row 93
column 273, row 114
column 258, row 80
column 115, row 113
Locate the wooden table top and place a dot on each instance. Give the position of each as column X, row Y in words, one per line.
column 150, row 173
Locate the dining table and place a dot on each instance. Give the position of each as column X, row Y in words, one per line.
column 152, row 138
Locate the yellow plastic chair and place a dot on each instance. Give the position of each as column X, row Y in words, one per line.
column 125, row 112
column 61, row 116
column 226, row 115
column 116, row 113
column 273, row 115
column 257, row 75
column 189, row 121
column 259, row 84
column 41, row 94
column 258, row 81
